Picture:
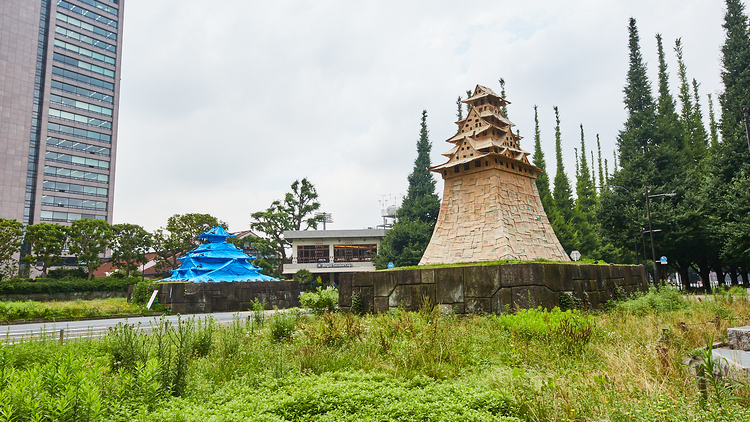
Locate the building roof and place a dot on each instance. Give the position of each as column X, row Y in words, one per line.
column 322, row 234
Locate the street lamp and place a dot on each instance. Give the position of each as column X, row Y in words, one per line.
column 650, row 229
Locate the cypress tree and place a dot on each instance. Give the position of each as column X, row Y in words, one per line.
column 584, row 219
column 542, row 180
column 668, row 145
column 562, row 196
column 638, row 132
column 460, row 113
column 405, row 243
column 504, row 109
column 599, row 149
column 712, row 125
column 700, row 137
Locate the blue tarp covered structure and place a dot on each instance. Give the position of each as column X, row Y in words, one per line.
column 215, row 261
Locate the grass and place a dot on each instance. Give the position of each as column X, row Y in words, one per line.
column 72, row 310
column 625, row 364
column 502, row 262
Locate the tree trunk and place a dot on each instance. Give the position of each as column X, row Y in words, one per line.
column 718, row 269
column 682, row 270
column 705, row 272
column 733, row 275
column 745, row 274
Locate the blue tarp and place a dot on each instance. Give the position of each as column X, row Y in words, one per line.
column 216, row 261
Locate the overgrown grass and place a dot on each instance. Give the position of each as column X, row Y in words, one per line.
column 78, row 309
column 535, row 365
column 502, row 262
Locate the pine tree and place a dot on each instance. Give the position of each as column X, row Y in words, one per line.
column 638, row 132
column 700, row 137
column 562, row 196
column 460, row 113
column 712, row 125
column 502, row 95
column 405, row 243
column 542, row 180
column 667, row 152
column 584, row 219
column 599, row 149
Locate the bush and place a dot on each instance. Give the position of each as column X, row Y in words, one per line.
column 320, row 300
column 142, row 292
column 67, row 273
column 655, row 301
column 282, row 325
column 48, row 285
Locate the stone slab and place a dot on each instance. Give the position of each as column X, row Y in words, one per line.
column 450, row 285
column 739, row 338
column 481, row 281
column 383, row 283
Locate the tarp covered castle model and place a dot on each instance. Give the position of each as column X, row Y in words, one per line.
column 217, row 260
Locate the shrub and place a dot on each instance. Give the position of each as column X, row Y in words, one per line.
column 67, row 273
column 358, row 307
column 568, row 300
column 655, row 301
column 282, row 325
column 142, row 292
column 320, row 300
column 48, row 285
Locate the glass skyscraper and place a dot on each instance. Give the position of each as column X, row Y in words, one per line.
column 59, row 99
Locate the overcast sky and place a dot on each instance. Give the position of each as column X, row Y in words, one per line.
column 225, row 103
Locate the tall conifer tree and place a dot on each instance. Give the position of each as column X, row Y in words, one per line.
column 542, row 180
column 584, row 219
column 712, row 125
column 638, row 132
column 562, row 195
column 405, row 243
column 602, row 176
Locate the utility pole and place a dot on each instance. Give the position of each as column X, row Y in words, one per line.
column 651, row 230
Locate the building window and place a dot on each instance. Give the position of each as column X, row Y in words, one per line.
column 307, row 254
column 354, row 253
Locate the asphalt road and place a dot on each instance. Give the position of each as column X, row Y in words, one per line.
column 98, row 327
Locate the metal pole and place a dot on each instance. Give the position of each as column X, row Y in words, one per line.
column 747, row 125
column 643, row 241
column 635, row 247
column 651, row 234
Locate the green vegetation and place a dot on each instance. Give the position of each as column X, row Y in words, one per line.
column 405, row 243
column 621, row 365
column 78, row 309
column 321, row 300
column 297, row 211
column 50, row 285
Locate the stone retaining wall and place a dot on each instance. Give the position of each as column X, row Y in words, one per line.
column 189, row 298
column 489, row 288
column 62, row 296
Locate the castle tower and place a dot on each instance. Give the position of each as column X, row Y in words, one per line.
column 491, row 208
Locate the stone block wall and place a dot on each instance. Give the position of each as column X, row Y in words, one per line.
column 63, row 296
column 489, row 288
column 189, row 298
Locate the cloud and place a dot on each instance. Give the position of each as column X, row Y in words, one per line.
column 225, row 104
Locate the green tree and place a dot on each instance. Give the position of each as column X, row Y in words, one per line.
column 602, row 177
column 11, row 239
column 46, row 243
column 460, row 112
column 295, row 211
column 88, row 241
column 542, row 180
column 503, row 109
column 584, row 220
column 638, row 132
column 130, row 243
column 713, row 126
column 406, row 242
column 179, row 236
column 562, row 196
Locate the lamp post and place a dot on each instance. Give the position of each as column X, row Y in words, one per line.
column 651, row 230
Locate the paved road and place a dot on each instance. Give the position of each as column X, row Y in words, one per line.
column 98, row 327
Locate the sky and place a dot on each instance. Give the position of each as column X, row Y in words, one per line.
column 224, row 104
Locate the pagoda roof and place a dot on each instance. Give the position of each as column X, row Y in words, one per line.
column 482, row 91
column 450, row 164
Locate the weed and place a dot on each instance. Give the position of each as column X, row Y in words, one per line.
column 128, row 345
column 321, row 300
column 358, row 307
column 568, row 300
column 282, row 325
column 259, row 315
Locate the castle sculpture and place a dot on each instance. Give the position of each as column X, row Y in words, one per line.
column 491, row 208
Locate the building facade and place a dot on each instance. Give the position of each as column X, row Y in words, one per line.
column 59, row 98
column 328, row 253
